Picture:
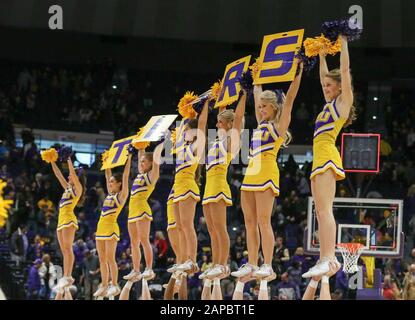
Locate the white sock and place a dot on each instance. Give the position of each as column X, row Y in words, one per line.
column 263, row 285
column 239, row 286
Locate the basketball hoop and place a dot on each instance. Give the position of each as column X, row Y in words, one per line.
column 351, row 253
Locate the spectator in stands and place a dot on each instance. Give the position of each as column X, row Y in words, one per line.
column 238, row 246
column 35, row 250
column 302, row 184
column 202, row 233
column 409, row 284
column 45, row 202
column 160, row 243
column 83, row 230
column 301, row 259
column 294, row 273
column 19, row 244
column 48, row 277
column 205, row 264
column 79, row 248
column 390, row 290
column 90, row 274
column 33, row 280
column 281, row 257
column 286, row 289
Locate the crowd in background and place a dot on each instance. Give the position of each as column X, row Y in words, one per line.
column 97, row 97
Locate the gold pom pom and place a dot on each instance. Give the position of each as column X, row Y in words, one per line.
column 185, row 106
column 4, row 205
column 216, row 90
column 104, row 156
column 313, row 46
column 49, row 156
column 255, row 68
column 140, row 145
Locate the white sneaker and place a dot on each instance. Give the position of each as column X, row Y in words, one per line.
column 264, row 271
column 204, row 274
column 133, row 275
column 149, row 274
column 65, row 282
column 113, row 291
column 188, row 266
column 101, row 292
column 244, row 270
column 322, row 267
column 216, row 272
column 173, row 268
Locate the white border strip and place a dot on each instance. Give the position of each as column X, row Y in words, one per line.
column 2, row 296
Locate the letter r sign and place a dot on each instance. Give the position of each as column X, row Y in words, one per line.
column 230, row 82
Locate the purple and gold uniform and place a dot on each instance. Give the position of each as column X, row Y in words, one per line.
column 325, row 154
column 262, row 172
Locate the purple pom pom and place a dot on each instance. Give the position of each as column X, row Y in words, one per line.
column 131, row 149
column 332, row 29
column 280, row 96
column 64, row 153
column 198, row 107
column 308, row 62
column 247, row 82
column 211, row 105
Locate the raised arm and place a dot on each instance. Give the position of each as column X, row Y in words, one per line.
column 155, row 171
column 78, row 185
column 108, row 175
column 140, row 154
column 201, row 128
column 125, row 179
column 285, row 119
column 324, row 70
column 347, row 90
column 59, row 175
column 257, row 99
column 237, row 124
column 310, row 292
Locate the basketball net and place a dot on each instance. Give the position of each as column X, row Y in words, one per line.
column 350, row 253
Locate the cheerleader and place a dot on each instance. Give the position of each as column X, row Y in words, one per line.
column 108, row 231
column 174, row 231
column 140, row 215
column 186, row 189
column 217, row 192
column 261, row 182
column 72, row 197
column 337, row 113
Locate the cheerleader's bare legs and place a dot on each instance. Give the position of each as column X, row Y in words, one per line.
column 187, row 209
column 135, row 251
column 215, row 214
column 252, row 234
column 264, row 201
column 66, row 238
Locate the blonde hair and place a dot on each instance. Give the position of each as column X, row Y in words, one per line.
column 227, row 115
column 335, row 75
column 411, row 191
column 271, row 97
